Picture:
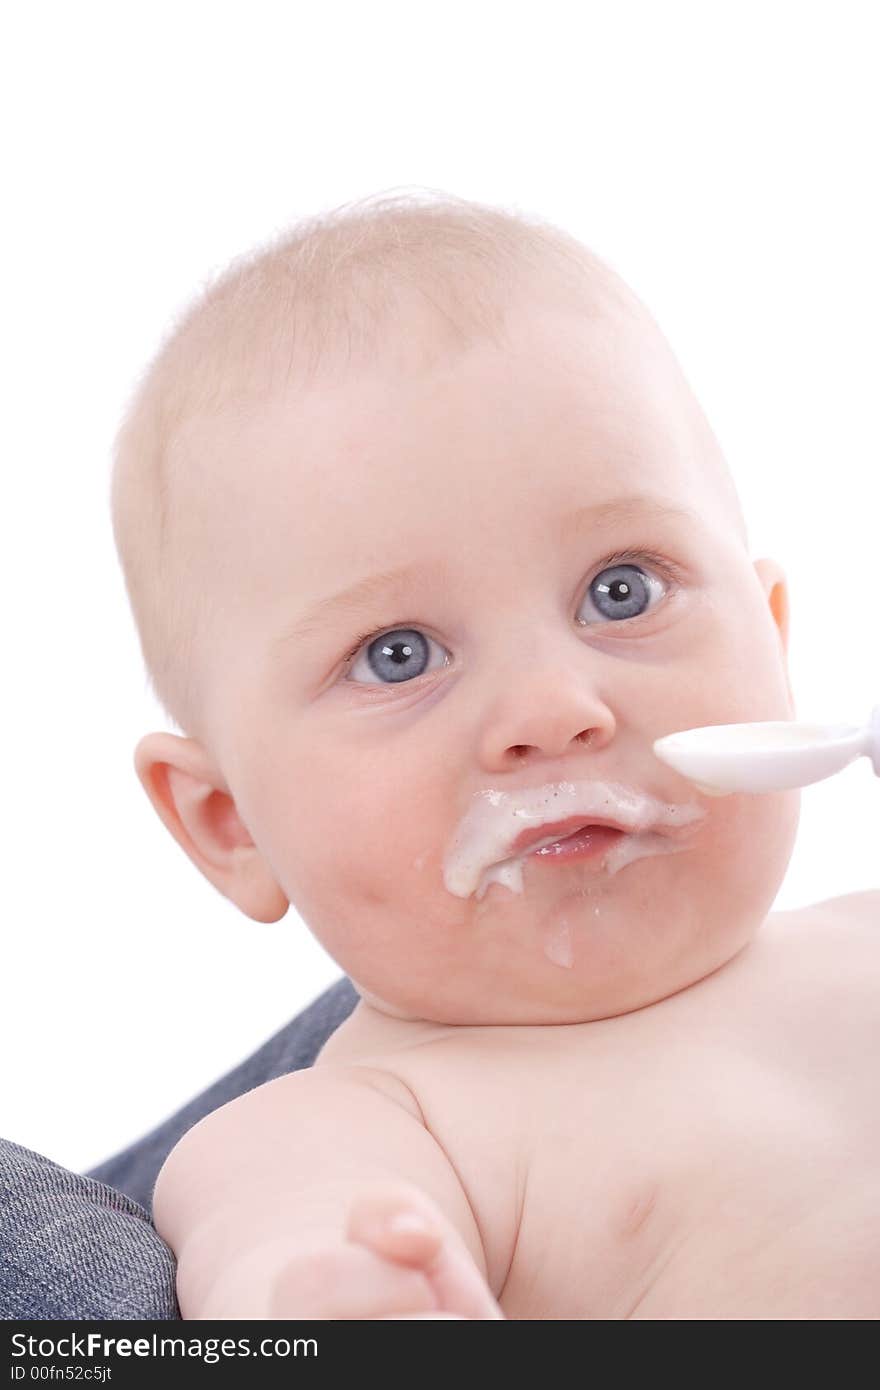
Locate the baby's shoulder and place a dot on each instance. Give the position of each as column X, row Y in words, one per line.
column 860, row 909
column 836, row 941
column 863, row 907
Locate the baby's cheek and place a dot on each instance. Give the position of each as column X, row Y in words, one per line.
column 747, row 845
column 396, row 915
column 758, row 824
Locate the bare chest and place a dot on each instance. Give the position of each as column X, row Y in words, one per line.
column 710, row 1157
column 736, row 1186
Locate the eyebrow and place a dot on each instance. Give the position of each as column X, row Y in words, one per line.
column 360, row 597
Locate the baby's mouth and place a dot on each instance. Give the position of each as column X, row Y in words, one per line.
column 566, row 832
column 587, row 843
column 607, row 822
column 590, row 838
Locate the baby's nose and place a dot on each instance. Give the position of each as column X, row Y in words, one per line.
column 536, row 724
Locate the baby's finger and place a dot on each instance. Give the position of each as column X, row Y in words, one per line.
column 395, row 1231
column 411, row 1236
column 459, row 1285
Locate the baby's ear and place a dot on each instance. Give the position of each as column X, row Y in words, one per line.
column 773, row 582
column 772, row 577
column 191, row 799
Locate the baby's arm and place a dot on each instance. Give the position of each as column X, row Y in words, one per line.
column 281, row 1204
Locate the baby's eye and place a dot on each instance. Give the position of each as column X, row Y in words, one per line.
column 623, row 591
column 620, row 590
column 401, row 654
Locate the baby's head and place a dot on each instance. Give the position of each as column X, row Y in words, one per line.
column 424, row 531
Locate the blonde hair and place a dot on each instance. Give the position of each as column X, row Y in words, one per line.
column 315, row 299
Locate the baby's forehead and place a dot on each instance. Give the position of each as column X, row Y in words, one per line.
column 240, row 349
column 414, row 445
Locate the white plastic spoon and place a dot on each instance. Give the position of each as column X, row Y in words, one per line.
column 767, row 757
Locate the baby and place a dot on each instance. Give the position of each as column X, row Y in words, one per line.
column 427, row 541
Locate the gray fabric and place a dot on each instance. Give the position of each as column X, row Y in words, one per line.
column 74, row 1248
column 84, row 1247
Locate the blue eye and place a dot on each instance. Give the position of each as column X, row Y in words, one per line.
column 400, row 654
column 621, row 590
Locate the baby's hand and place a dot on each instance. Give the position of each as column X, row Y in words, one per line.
column 397, row 1261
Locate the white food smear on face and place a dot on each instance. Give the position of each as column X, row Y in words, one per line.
column 557, row 940
column 557, row 944
column 479, row 853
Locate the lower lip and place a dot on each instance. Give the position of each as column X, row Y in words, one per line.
column 583, row 844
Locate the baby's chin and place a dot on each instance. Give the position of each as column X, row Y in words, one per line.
column 549, row 1001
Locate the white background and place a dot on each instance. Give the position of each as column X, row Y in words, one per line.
column 723, row 157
